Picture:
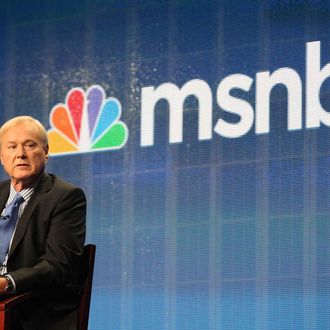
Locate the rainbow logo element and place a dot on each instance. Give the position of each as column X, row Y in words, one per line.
column 87, row 122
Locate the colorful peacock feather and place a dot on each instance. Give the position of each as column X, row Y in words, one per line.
column 88, row 121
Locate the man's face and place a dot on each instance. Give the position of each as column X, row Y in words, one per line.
column 23, row 155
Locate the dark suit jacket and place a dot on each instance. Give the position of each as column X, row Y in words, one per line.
column 50, row 235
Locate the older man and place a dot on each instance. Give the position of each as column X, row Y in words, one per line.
column 42, row 225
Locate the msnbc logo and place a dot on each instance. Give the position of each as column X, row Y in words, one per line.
column 90, row 122
column 87, row 122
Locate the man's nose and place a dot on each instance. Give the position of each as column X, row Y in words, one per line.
column 20, row 151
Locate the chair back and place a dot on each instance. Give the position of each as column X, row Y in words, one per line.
column 87, row 272
column 83, row 292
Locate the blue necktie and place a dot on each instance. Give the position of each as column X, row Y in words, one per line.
column 7, row 225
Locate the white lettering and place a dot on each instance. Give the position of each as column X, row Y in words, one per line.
column 265, row 83
column 175, row 98
column 247, row 115
column 234, row 105
column 315, row 114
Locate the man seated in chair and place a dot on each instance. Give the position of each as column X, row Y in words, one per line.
column 42, row 226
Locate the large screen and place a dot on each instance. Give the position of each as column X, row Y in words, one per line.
column 200, row 133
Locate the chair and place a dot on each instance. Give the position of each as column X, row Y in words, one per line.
column 83, row 290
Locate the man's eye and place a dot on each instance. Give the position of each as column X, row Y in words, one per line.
column 11, row 147
column 30, row 145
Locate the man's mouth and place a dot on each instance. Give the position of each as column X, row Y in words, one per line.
column 22, row 165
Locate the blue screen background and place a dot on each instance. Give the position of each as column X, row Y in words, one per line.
column 215, row 234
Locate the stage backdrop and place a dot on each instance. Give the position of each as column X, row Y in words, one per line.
column 200, row 132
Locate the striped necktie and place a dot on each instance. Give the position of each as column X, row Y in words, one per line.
column 8, row 222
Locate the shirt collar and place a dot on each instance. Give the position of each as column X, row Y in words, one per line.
column 25, row 193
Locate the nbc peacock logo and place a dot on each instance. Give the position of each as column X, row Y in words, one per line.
column 87, row 122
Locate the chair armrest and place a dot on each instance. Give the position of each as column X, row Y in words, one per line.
column 8, row 302
column 12, row 301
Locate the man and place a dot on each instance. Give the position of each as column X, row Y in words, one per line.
column 46, row 243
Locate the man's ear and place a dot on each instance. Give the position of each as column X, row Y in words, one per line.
column 46, row 153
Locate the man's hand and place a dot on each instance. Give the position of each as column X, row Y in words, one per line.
column 3, row 285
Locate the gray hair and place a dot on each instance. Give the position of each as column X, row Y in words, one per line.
column 16, row 121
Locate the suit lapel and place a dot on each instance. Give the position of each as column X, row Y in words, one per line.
column 4, row 189
column 42, row 187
